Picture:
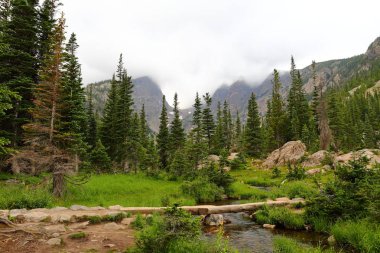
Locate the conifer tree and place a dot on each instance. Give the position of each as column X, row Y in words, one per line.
column 18, row 62
column 100, row 159
column 219, row 141
column 92, row 126
column 135, row 152
column 253, row 136
column 144, row 129
column 163, row 138
column 208, row 121
column 298, row 107
column 110, row 127
column 73, row 123
column 276, row 115
column 177, row 133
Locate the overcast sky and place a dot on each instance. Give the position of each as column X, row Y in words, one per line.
column 196, row 45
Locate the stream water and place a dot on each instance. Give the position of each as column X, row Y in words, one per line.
column 247, row 236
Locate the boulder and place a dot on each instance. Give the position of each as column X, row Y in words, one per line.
column 213, row 220
column 373, row 155
column 79, row 226
column 315, row 159
column 113, row 226
column 62, row 218
column 291, row 152
column 16, row 212
column 4, row 214
column 54, row 241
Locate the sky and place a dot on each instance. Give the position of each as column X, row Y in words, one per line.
column 190, row 46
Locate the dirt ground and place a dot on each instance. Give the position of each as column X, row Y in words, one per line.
column 97, row 240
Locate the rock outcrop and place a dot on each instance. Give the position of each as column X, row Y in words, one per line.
column 315, row 159
column 291, row 152
column 373, row 155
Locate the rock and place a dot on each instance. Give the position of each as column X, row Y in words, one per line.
column 113, row 226
column 79, row 208
column 313, row 171
column 54, row 241
column 326, row 167
column 36, row 216
column 109, row 245
column 373, row 155
column 96, row 208
column 81, row 225
column 54, row 229
column 58, row 208
column 127, row 221
column 55, row 235
column 4, row 214
column 213, row 158
column 15, row 212
column 62, row 218
column 213, row 220
column 269, row 226
column 226, row 169
column 117, row 207
column 331, row 240
column 233, row 156
column 291, row 152
column 315, row 159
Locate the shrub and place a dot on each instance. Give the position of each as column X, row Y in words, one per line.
column 360, row 235
column 202, row 190
column 79, row 235
column 276, row 172
column 280, row 216
column 139, row 222
column 298, row 189
column 296, row 172
column 238, row 163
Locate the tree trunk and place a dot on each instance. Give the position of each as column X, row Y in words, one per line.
column 58, row 184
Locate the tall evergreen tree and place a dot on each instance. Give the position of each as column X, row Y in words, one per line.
column 219, row 140
column 144, row 129
column 92, row 126
column 18, row 62
column 135, row 152
column 276, row 115
column 177, row 132
column 110, row 127
column 298, row 107
column 208, row 120
column 163, row 138
column 253, row 136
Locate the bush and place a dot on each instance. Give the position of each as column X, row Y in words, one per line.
column 79, row 235
column 360, row 235
column 296, row 172
column 238, row 163
column 276, row 172
column 203, row 190
column 280, row 216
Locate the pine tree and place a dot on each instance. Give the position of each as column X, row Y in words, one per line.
column 208, row 121
column 163, row 138
column 335, row 120
column 177, row 133
column 218, row 140
column 135, row 152
column 110, row 127
column 18, row 62
column 100, row 159
column 276, row 115
column 253, row 136
column 73, row 122
column 92, row 126
column 144, row 129
column 298, row 107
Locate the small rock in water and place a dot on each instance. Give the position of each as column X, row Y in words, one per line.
column 214, row 220
column 269, row 226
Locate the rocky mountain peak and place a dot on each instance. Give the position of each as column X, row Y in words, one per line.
column 374, row 49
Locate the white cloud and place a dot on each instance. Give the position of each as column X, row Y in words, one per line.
column 195, row 45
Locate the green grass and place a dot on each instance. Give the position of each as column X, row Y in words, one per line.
column 125, row 190
column 21, row 196
column 79, row 235
column 287, row 245
column 362, row 236
column 281, row 217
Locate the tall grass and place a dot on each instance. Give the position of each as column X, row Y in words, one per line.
column 360, row 235
column 19, row 196
column 286, row 245
column 281, row 217
column 125, row 190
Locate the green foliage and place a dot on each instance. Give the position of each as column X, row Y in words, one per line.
column 283, row 244
column 163, row 137
column 99, row 158
column 280, row 216
column 361, row 235
column 296, row 172
column 76, row 236
column 177, row 132
column 253, row 136
column 296, row 189
column 351, row 195
column 203, row 190
column 276, row 172
column 15, row 197
column 139, row 222
column 239, row 163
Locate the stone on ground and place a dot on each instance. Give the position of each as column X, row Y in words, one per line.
column 291, row 152
column 113, row 226
column 315, row 159
column 54, row 241
column 55, row 229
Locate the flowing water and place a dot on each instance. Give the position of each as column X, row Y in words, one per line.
column 246, row 235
